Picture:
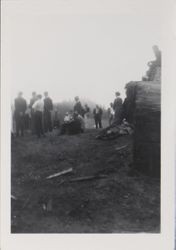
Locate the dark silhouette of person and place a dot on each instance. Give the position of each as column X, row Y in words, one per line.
column 87, row 109
column 38, row 108
column 117, row 105
column 78, row 107
column 32, row 101
column 20, row 108
column 153, row 65
column 48, row 107
column 157, row 53
column 97, row 113
column 129, row 103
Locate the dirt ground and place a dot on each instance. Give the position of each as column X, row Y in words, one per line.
column 114, row 201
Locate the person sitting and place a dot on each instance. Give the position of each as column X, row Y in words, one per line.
column 68, row 119
column 73, row 124
column 154, row 66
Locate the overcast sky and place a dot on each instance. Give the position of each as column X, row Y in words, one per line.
column 86, row 48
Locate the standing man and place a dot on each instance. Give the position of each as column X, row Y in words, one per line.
column 97, row 112
column 38, row 108
column 32, row 101
column 20, row 108
column 117, row 108
column 111, row 114
column 87, row 115
column 48, row 107
column 78, row 107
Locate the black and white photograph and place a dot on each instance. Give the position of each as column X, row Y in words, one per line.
column 85, row 107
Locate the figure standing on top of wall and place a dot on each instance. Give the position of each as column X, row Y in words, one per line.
column 154, row 66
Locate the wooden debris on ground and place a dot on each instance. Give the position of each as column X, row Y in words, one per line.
column 60, row 173
column 114, row 131
column 85, row 178
column 120, row 148
column 13, row 197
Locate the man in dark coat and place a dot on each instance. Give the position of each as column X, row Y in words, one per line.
column 117, row 108
column 38, row 108
column 32, row 101
column 48, row 107
column 20, row 108
column 97, row 112
column 78, row 107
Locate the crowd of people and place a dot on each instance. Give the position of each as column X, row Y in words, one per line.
column 37, row 115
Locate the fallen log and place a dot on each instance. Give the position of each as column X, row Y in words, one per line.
column 60, row 173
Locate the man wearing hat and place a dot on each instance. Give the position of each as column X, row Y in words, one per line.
column 117, row 108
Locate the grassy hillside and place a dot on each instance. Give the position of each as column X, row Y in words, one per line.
column 115, row 202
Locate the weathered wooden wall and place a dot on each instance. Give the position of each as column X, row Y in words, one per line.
column 147, row 127
column 142, row 107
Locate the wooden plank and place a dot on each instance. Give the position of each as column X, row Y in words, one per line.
column 86, row 178
column 60, row 173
